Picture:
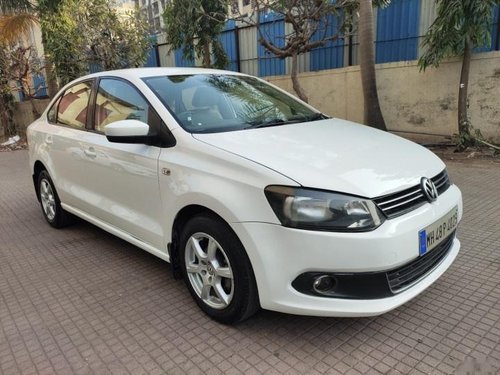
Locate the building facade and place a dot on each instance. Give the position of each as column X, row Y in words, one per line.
column 152, row 10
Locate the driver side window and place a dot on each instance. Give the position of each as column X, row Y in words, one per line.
column 118, row 100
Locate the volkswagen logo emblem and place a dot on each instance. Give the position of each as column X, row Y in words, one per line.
column 429, row 189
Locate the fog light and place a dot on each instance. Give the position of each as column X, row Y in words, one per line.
column 323, row 284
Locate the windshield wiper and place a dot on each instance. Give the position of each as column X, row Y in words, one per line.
column 268, row 123
column 278, row 121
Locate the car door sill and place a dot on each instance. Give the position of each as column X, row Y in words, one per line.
column 117, row 232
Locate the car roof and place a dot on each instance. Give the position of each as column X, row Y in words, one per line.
column 153, row 72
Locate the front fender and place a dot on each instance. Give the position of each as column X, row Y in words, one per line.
column 231, row 186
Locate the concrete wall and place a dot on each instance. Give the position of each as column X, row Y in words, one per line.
column 411, row 101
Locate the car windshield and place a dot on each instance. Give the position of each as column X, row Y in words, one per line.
column 209, row 103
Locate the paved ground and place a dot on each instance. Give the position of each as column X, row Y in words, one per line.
column 79, row 300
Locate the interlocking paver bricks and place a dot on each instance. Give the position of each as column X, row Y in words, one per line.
column 80, row 301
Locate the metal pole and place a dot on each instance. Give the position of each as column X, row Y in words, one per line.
column 349, row 50
column 498, row 29
column 157, row 55
column 237, row 46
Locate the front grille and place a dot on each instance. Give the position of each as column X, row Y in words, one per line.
column 402, row 277
column 399, row 203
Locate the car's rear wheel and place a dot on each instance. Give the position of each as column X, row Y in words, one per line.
column 217, row 270
column 51, row 205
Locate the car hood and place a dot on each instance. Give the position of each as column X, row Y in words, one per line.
column 333, row 154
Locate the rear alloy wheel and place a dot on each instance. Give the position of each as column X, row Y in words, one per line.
column 51, row 205
column 48, row 200
column 217, row 270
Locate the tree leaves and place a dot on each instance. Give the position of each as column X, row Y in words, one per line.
column 194, row 26
column 457, row 21
column 91, row 31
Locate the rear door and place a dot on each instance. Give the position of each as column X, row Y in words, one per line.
column 65, row 141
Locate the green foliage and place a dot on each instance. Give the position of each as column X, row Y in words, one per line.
column 47, row 6
column 114, row 42
column 63, row 42
column 350, row 10
column 80, row 32
column 460, row 26
column 470, row 136
column 22, row 63
column 16, row 6
column 194, row 25
column 6, row 97
column 457, row 21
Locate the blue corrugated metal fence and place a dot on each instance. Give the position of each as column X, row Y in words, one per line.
column 273, row 29
column 493, row 44
column 180, row 60
column 398, row 35
column 331, row 55
column 397, row 31
column 228, row 41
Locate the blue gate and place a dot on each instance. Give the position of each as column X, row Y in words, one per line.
column 39, row 85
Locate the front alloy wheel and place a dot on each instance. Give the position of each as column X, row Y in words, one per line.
column 209, row 271
column 216, row 269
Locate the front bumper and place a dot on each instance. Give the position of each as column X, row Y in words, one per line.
column 280, row 254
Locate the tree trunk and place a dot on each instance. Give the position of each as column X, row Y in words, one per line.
column 463, row 119
column 34, row 110
column 7, row 123
column 372, row 113
column 295, row 80
column 206, row 55
column 52, row 86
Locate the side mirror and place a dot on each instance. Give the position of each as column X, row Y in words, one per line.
column 128, row 131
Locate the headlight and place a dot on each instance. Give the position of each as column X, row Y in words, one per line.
column 321, row 210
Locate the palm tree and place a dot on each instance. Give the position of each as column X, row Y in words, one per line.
column 17, row 18
column 372, row 113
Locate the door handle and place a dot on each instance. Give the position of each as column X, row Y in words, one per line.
column 90, row 152
column 48, row 139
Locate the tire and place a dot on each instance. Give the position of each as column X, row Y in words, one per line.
column 50, row 203
column 220, row 280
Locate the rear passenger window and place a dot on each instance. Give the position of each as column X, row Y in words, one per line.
column 118, row 100
column 52, row 114
column 73, row 106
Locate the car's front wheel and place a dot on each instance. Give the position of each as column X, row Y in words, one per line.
column 51, row 205
column 217, row 270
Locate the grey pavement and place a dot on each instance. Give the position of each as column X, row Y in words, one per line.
column 79, row 300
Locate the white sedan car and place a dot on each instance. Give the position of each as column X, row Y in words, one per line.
column 254, row 197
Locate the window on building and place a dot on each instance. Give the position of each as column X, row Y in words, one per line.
column 235, row 6
column 157, row 24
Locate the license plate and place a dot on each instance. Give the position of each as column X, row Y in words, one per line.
column 434, row 234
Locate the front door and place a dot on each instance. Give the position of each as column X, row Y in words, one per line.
column 124, row 177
